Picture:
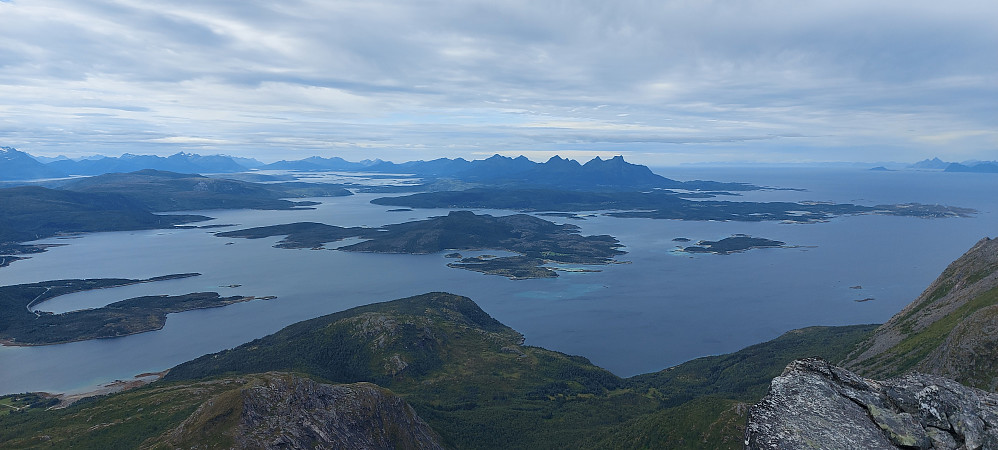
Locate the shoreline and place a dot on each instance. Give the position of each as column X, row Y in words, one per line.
column 116, row 386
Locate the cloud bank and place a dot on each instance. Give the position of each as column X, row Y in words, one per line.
column 662, row 81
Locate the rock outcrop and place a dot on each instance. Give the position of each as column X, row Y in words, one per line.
column 283, row 411
column 814, row 404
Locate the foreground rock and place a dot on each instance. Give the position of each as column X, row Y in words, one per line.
column 816, row 405
column 289, row 412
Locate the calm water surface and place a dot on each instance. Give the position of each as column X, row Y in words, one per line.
column 661, row 309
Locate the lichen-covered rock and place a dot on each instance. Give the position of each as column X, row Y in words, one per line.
column 814, row 404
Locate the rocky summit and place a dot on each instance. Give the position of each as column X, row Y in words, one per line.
column 284, row 411
column 816, row 405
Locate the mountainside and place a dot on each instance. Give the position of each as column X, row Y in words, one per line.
column 169, row 191
column 17, row 165
column 816, row 405
column 949, row 330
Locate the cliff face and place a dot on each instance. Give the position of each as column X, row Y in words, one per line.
column 817, row 405
column 950, row 330
column 284, row 411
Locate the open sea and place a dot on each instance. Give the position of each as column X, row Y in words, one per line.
column 660, row 309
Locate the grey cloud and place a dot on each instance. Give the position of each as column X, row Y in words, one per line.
column 725, row 70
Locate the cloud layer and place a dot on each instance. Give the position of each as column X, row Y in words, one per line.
column 661, row 81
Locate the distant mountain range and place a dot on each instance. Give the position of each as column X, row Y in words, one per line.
column 966, row 166
column 496, row 171
column 16, row 165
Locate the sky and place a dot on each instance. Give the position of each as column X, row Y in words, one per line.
column 661, row 82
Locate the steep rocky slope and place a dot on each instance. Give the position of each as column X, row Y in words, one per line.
column 950, row 330
column 816, row 405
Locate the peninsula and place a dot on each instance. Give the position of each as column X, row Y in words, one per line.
column 20, row 324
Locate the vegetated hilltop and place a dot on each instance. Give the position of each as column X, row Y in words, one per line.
column 950, row 330
column 169, row 191
column 537, row 241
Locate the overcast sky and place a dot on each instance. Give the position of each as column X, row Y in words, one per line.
column 661, row 82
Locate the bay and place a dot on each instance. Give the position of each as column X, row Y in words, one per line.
column 659, row 310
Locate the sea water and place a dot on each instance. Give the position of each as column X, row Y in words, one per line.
column 661, row 308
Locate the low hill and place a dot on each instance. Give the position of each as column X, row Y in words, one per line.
column 950, row 330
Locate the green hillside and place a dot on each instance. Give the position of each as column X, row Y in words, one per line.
column 950, row 330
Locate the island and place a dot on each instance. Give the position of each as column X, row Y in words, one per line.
column 21, row 325
column 733, row 244
column 658, row 204
column 535, row 241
